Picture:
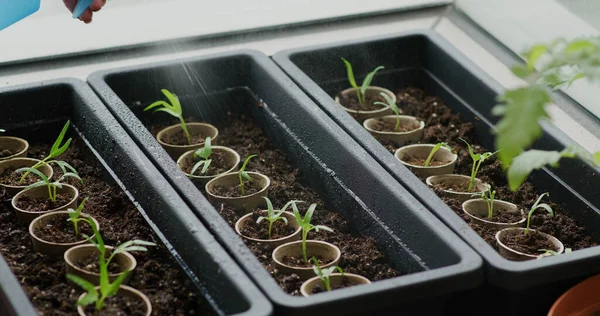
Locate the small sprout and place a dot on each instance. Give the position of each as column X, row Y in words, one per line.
column 434, row 150
column 203, row 154
column 174, row 109
column 55, row 151
column 52, row 186
column 548, row 252
column 360, row 92
column 273, row 216
column 243, row 174
column 478, row 159
column 75, row 216
column 107, row 289
column 306, row 226
column 393, row 106
column 536, row 206
column 488, row 196
column 325, row 274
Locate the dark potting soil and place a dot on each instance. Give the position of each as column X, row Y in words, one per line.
column 157, row 274
column 250, row 187
column 90, row 263
column 360, row 255
column 444, row 125
column 261, row 230
column 504, row 216
column 456, row 187
column 59, row 230
column 10, row 177
column 350, row 101
column 6, row 153
column 119, row 306
column 300, row 263
column 529, row 243
column 30, row 204
column 179, row 138
column 390, row 126
column 343, row 284
column 421, row 161
column 217, row 165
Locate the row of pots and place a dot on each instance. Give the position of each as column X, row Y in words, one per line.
column 73, row 253
column 287, row 246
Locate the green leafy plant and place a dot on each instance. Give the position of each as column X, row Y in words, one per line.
column 242, row 174
column 478, row 159
column 75, row 216
column 107, row 289
column 304, row 223
column 273, row 216
column 488, row 196
column 360, row 91
column 434, row 150
column 392, row 106
column 203, row 154
column 537, row 206
column 325, row 274
column 549, row 67
column 52, row 185
column 56, row 150
column 173, row 109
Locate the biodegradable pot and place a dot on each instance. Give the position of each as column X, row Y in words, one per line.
column 231, row 157
column 21, row 162
column 52, row 248
column 16, row 145
column 126, row 291
column 336, row 278
column 582, row 299
column 273, row 243
column 457, row 179
column 240, row 203
column 74, row 254
column 42, row 192
column 399, row 138
column 363, row 115
column 422, row 151
column 316, row 248
column 511, row 254
column 477, row 209
column 175, row 151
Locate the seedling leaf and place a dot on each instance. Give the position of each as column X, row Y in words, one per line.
column 367, row 81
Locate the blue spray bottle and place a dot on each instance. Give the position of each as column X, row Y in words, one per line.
column 12, row 11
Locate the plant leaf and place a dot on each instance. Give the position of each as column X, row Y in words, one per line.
column 55, row 147
column 534, row 54
column 175, row 104
column 167, row 110
column 83, row 283
column 114, row 287
column 36, row 172
column 156, row 104
column 367, row 81
column 318, row 227
column 528, row 161
column 350, row 74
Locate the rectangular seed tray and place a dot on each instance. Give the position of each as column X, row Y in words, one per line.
column 424, row 59
column 331, row 163
column 33, row 107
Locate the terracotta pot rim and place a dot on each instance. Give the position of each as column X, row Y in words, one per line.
column 18, row 140
column 419, row 128
column 257, row 174
column 338, row 254
column 377, row 88
column 78, row 269
column 243, row 218
column 222, row 148
column 14, row 199
column 548, row 236
column 25, row 159
column 453, row 161
column 334, row 275
column 178, row 126
column 573, row 291
column 57, row 213
column 136, row 292
column 485, row 220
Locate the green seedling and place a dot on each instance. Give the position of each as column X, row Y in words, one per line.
column 75, row 216
column 173, row 109
column 392, row 106
column 273, row 216
column 360, row 91
column 549, row 253
column 536, row 206
column 478, row 159
column 325, row 274
column 434, row 150
column 107, row 289
column 52, row 186
column 203, row 154
column 55, row 151
column 2, row 131
column 306, row 226
column 242, row 174
column 488, row 196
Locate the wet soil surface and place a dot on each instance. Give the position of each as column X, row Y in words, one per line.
column 120, row 306
column 279, row 228
column 421, row 161
column 217, row 165
column 350, row 101
column 390, row 126
column 40, row 205
column 444, row 125
column 503, row 216
column 530, row 243
column 10, row 177
column 360, row 255
column 90, row 263
column 59, row 230
column 299, row 262
column 250, row 187
column 457, row 187
column 179, row 138
column 43, row 278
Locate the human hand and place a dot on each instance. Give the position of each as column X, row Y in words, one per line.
column 86, row 17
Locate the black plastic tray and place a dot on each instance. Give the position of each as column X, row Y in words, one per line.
column 208, row 265
column 424, row 59
column 331, row 163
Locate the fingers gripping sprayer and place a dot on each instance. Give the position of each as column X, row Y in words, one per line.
column 12, row 11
